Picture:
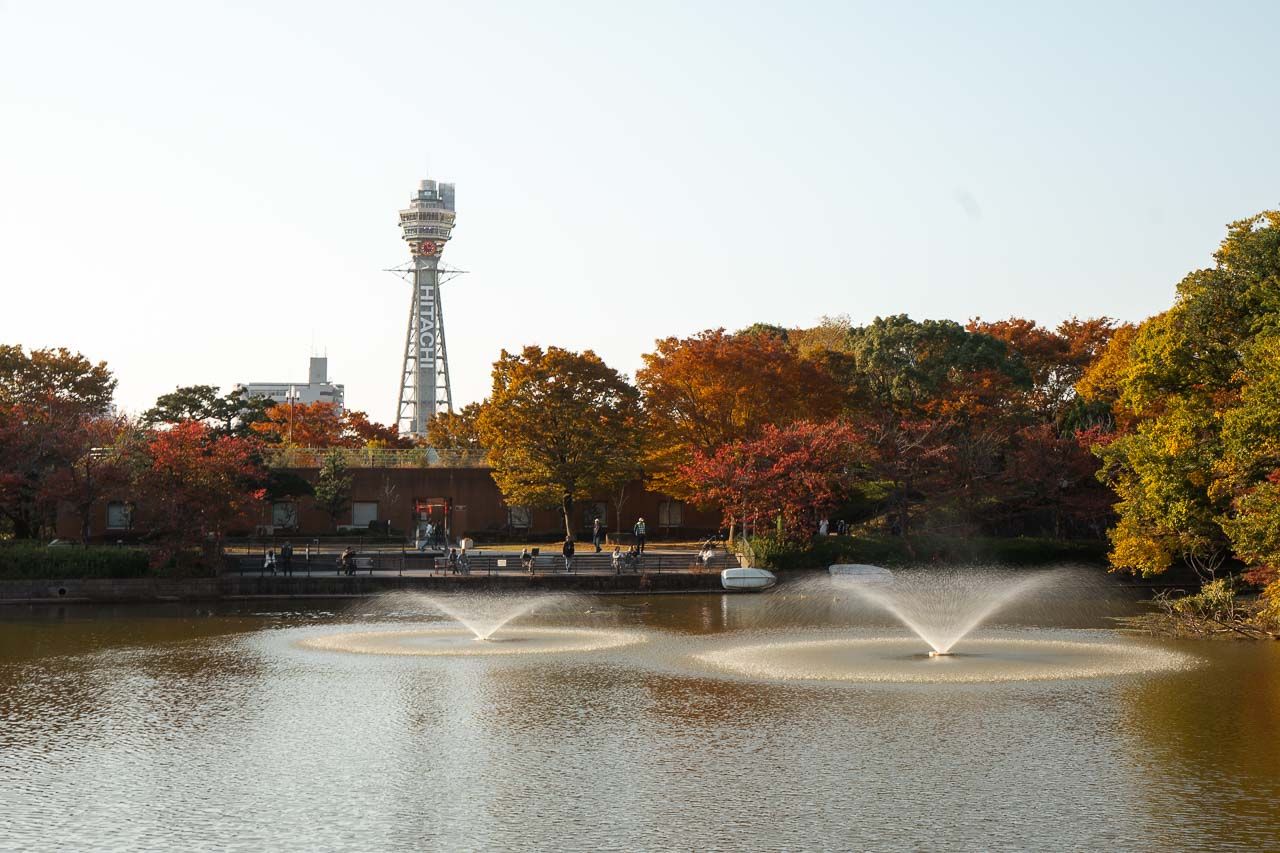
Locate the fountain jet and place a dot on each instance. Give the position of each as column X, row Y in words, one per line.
column 942, row 608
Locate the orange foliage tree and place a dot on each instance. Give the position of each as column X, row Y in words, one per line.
column 714, row 388
column 326, row 425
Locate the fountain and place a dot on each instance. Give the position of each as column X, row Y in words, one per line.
column 941, row 609
column 482, row 625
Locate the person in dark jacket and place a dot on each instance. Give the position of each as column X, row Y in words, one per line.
column 567, row 550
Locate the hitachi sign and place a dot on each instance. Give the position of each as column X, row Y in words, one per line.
column 426, row 320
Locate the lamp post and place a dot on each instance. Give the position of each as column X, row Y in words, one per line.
column 292, row 397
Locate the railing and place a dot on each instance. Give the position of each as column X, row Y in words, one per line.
column 380, row 457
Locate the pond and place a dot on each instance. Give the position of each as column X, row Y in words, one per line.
column 688, row 722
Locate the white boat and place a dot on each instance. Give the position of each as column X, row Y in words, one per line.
column 747, row 579
column 861, row 573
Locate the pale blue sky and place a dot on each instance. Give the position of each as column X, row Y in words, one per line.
column 205, row 193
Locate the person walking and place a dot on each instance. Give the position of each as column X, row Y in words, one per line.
column 639, row 531
column 453, row 561
column 526, row 560
column 347, row 561
column 824, row 527
column 269, row 561
column 597, row 534
column 567, row 550
column 286, row 559
column 464, row 562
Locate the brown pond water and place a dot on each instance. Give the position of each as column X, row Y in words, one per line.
column 615, row 724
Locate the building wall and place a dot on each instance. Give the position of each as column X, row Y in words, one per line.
column 476, row 508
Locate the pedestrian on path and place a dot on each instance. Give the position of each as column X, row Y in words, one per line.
column 347, row 561
column 617, row 559
column 526, row 560
column 597, row 534
column 567, row 550
column 453, row 561
column 286, row 559
column 639, row 531
column 464, row 562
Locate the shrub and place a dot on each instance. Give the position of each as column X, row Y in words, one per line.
column 769, row 552
column 37, row 561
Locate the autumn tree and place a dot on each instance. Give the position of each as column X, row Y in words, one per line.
column 456, row 430
column 98, row 471
column 786, row 477
column 715, row 388
column 558, row 426
column 47, row 396
column 1192, row 472
column 323, row 424
column 194, row 484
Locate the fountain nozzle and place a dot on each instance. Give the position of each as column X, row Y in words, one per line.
column 937, row 654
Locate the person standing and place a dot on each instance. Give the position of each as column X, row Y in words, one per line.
column 526, row 560
column 453, row 561
column 639, row 531
column 286, row 559
column 567, row 550
column 617, row 559
column 597, row 534
column 464, row 562
column 824, row 527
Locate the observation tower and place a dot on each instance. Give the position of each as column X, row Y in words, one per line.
column 424, row 388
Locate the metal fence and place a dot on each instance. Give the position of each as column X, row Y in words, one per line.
column 371, row 457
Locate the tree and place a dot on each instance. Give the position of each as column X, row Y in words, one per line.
column 193, row 484
column 304, row 425
column 333, row 487
column 46, row 396
column 54, row 380
column 1187, row 482
column 230, row 414
column 787, row 476
column 456, row 430
column 558, row 426
column 363, row 432
column 325, row 425
column 714, row 388
column 99, row 470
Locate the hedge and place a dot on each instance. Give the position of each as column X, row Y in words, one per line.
column 22, row 561
column 772, row 553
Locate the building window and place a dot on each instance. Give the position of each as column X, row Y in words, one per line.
column 591, row 510
column 284, row 514
column 519, row 518
column 119, row 515
column 671, row 513
column 364, row 513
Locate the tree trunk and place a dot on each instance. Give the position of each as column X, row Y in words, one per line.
column 566, row 504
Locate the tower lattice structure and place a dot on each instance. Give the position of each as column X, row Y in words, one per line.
column 426, row 226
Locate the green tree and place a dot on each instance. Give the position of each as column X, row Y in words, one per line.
column 229, row 414
column 333, row 487
column 558, row 426
column 1195, row 385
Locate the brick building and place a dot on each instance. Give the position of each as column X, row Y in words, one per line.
column 407, row 488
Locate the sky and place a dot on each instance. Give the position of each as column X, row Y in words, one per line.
column 208, row 193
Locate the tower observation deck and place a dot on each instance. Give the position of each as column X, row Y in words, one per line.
column 426, row 226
